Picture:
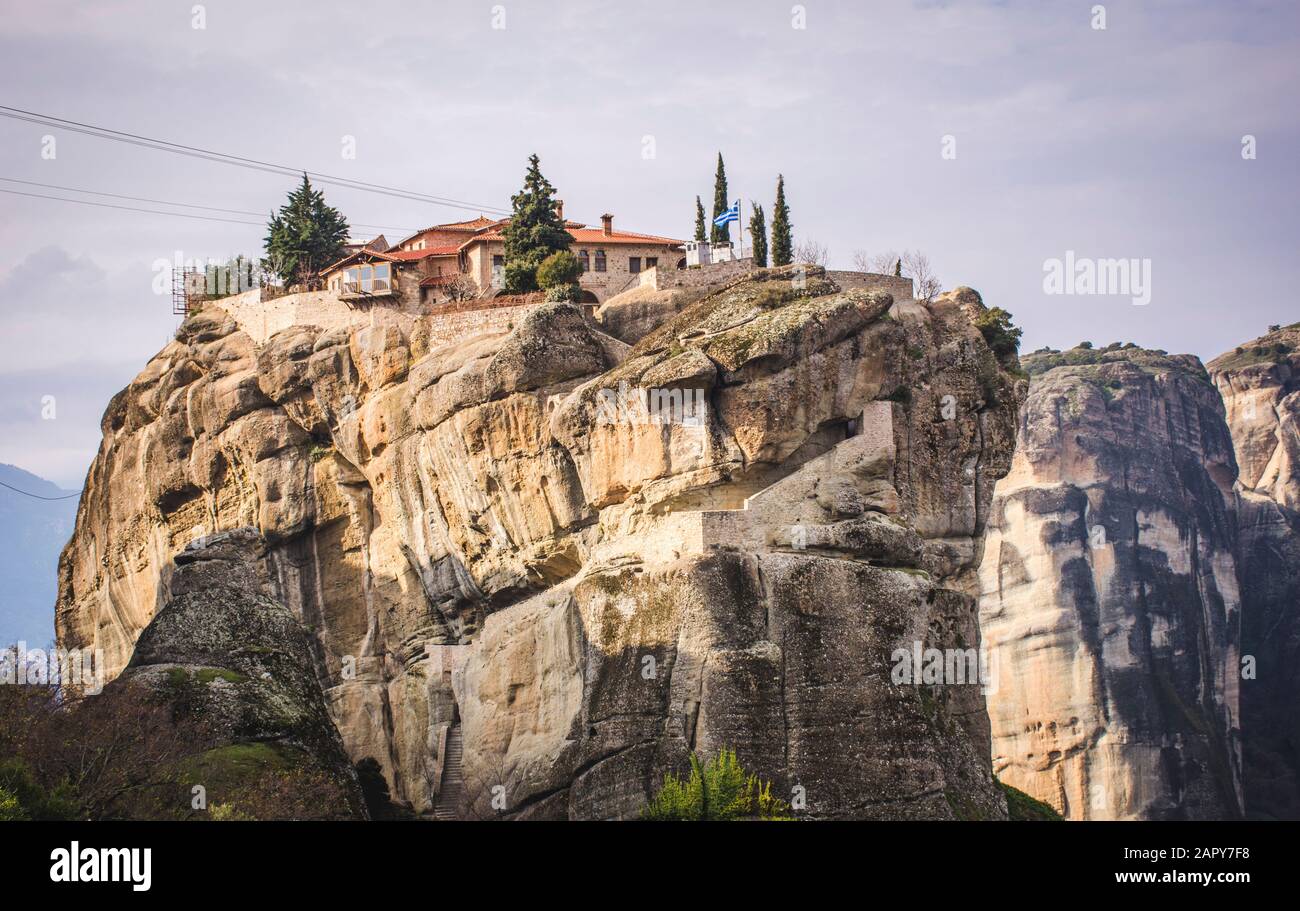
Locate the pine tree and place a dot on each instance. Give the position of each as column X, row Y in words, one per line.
column 782, row 242
column 898, row 268
column 304, row 237
column 700, row 236
column 758, row 234
column 535, row 231
column 720, row 204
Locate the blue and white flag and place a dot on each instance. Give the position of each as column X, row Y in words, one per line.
column 727, row 217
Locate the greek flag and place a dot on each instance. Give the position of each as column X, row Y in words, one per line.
column 727, row 217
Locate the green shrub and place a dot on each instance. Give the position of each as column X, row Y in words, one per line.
column 1023, row 808
column 10, row 809
column 563, row 293
column 228, row 812
column 560, row 268
column 1002, row 336
column 30, row 799
column 718, row 790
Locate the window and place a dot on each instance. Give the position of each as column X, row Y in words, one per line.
column 584, row 261
column 498, row 261
column 368, row 279
column 600, row 260
column 651, row 262
column 634, row 264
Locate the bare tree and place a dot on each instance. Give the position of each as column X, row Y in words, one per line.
column 911, row 264
column 460, row 288
column 109, row 756
column 880, row 263
column 811, row 252
column 925, row 284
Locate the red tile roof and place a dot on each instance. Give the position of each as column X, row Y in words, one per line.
column 409, row 255
column 598, row 236
column 474, row 224
column 393, row 256
column 481, row 222
column 590, row 236
column 358, row 254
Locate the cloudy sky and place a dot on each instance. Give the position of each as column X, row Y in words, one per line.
column 1117, row 142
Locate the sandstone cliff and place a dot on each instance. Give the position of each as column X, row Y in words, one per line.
column 1110, row 599
column 1260, row 385
column 497, row 548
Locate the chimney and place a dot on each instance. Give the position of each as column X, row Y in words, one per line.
column 607, row 224
column 559, row 209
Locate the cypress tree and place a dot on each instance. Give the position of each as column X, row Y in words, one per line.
column 898, row 268
column 720, row 204
column 758, row 235
column 782, row 242
column 535, row 231
column 305, row 236
column 699, row 221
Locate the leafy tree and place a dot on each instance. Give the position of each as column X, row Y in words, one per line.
column 1002, row 336
column 758, row 234
column 534, row 232
column 782, row 241
column 718, row 790
column 304, row 237
column 700, row 235
column 721, row 202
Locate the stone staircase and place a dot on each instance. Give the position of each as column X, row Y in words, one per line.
column 452, row 782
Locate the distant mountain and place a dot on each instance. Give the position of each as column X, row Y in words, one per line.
column 32, row 533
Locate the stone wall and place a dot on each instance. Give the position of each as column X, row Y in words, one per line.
column 261, row 319
column 447, row 326
column 899, row 287
column 705, row 275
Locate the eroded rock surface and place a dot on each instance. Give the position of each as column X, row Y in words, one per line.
column 223, row 651
column 498, row 543
column 1110, row 600
column 1260, row 385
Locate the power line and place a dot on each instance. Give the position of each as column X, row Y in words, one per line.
column 163, row 145
column 109, row 205
column 164, row 202
column 36, row 496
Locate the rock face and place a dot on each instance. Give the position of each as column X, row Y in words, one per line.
column 1260, row 385
column 1110, row 601
column 221, row 648
column 507, row 543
